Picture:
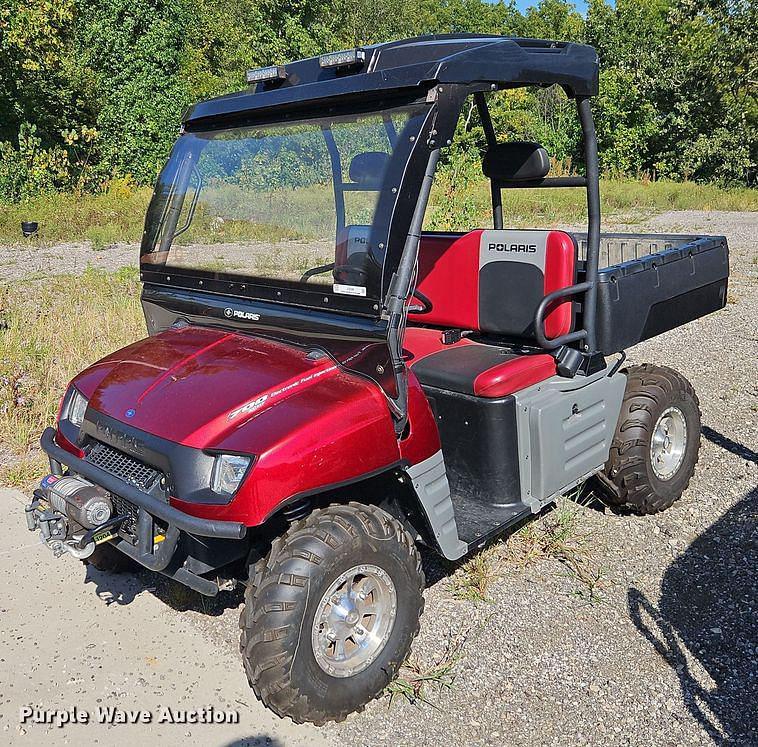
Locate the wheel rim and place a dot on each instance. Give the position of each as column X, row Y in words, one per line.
column 354, row 620
column 669, row 443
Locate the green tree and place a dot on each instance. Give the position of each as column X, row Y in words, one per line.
column 132, row 51
column 553, row 19
column 38, row 71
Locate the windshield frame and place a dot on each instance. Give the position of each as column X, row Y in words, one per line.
column 389, row 229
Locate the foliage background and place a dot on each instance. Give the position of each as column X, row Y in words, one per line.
column 91, row 91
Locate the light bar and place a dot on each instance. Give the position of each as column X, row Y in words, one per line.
column 264, row 74
column 345, row 58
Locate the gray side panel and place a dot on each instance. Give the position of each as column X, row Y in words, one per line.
column 565, row 428
column 429, row 478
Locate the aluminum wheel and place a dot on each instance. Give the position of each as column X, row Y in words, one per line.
column 669, row 443
column 354, row 620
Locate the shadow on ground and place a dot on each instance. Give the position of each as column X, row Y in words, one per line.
column 123, row 588
column 706, row 623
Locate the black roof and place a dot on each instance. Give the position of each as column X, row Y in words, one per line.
column 402, row 66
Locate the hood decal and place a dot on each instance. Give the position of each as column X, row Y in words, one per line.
column 270, row 397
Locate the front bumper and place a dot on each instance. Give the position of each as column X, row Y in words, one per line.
column 152, row 555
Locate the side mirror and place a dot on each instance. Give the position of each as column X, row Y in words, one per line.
column 516, row 162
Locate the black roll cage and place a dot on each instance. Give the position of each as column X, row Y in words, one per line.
column 443, row 70
column 401, row 288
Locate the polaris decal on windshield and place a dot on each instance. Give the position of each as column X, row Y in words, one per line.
column 249, row 316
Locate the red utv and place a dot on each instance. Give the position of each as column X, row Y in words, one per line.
column 325, row 386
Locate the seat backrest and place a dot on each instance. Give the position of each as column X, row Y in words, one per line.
column 492, row 281
column 367, row 169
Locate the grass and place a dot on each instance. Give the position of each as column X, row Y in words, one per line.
column 24, row 471
column 473, row 579
column 416, row 680
column 558, row 535
column 461, row 207
column 51, row 329
column 117, row 214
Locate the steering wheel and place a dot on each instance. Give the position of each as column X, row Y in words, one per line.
column 358, row 274
column 426, row 303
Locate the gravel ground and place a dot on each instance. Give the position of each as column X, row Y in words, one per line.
column 34, row 258
column 664, row 650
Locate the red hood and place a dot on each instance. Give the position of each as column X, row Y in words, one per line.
column 310, row 423
column 196, row 385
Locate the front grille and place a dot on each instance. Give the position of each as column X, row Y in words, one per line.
column 125, row 467
column 122, row 507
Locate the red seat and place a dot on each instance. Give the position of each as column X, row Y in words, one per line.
column 472, row 367
column 492, row 281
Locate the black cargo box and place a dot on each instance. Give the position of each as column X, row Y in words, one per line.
column 667, row 281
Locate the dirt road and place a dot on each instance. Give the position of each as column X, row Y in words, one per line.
column 654, row 643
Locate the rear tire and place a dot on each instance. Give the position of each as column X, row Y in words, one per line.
column 655, row 447
column 304, row 591
column 110, row 560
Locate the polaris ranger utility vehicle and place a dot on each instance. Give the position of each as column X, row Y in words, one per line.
column 326, row 385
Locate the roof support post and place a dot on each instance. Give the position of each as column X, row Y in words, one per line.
column 593, row 228
column 399, row 291
column 339, row 192
column 496, row 189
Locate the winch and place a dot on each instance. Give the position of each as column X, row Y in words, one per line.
column 72, row 515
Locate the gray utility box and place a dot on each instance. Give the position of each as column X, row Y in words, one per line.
column 565, row 428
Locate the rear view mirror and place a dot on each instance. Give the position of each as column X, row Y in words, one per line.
column 516, row 162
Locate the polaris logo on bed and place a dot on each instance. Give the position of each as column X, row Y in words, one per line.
column 237, row 314
column 499, row 247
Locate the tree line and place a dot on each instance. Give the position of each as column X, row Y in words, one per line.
column 94, row 90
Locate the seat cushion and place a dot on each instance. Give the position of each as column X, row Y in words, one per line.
column 472, row 367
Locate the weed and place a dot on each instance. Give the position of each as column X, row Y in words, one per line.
column 416, row 679
column 103, row 236
column 473, row 579
column 54, row 328
column 24, row 472
column 557, row 535
column 116, row 214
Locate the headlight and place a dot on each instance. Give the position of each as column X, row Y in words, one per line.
column 76, row 407
column 228, row 471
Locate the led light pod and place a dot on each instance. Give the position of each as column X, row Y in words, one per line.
column 344, row 58
column 265, row 74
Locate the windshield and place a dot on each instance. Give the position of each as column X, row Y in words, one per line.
column 288, row 205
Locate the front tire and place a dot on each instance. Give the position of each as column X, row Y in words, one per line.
column 331, row 612
column 655, row 447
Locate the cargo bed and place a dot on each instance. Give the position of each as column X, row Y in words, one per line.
column 651, row 283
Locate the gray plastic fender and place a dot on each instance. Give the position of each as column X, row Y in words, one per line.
column 429, row 479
